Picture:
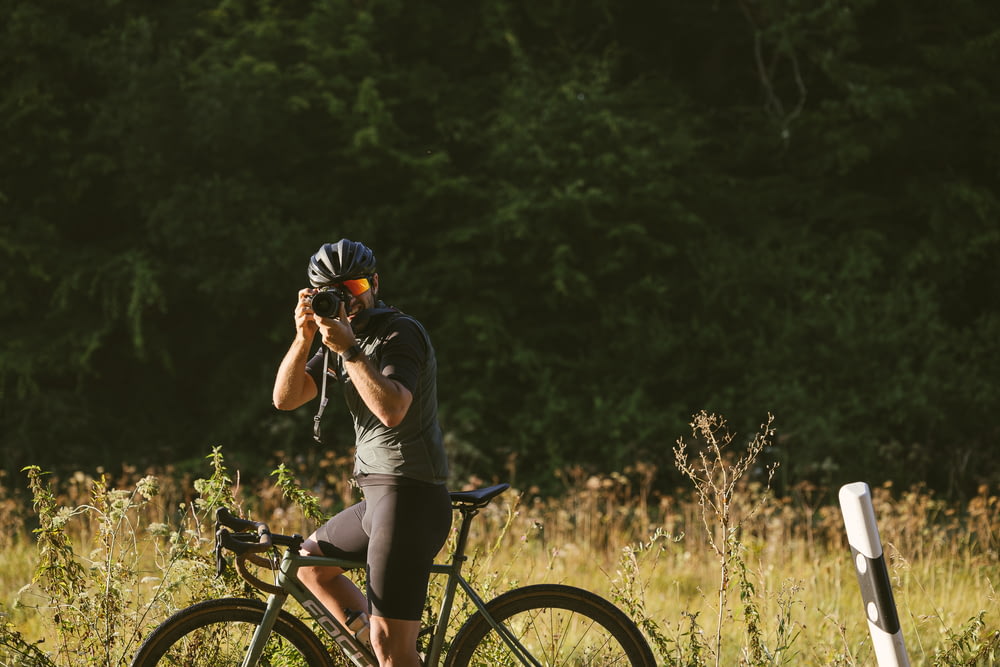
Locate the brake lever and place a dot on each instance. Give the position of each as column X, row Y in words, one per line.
column 220, row 559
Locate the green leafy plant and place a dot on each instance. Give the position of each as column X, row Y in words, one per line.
column 102, row 592
column 629, row 589
column 294, row 492
column 757, row 652
column 972, row 646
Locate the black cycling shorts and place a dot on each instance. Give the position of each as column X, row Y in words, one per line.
column 397, row 530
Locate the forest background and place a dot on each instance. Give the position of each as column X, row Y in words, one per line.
column 609, row 215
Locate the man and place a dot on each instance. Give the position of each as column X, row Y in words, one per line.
column 386, row 364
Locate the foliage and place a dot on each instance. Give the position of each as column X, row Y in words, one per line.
column 104, row 602
column 974, row 645
column 629, row 592
column 291, row 489
column 608, row 215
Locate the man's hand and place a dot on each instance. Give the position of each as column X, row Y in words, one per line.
column 388, row 399
column 292, row 385
column 305, row 320
column 337, row 333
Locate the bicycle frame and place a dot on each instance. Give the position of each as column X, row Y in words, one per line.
column 290, row 584
column 359, row 654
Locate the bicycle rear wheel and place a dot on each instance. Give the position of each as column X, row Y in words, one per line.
column 218, row 632
column 557, row 625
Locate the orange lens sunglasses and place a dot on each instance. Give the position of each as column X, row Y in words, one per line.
column 357, row 287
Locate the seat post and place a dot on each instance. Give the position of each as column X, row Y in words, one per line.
column 453, row 571
column 463, row 534
column 469, row 503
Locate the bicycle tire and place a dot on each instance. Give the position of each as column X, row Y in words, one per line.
column 559, row 625
column 217, row 632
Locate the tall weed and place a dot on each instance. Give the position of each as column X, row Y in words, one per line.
column 103, row 601
column 717, row 474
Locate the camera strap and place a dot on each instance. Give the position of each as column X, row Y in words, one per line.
column 380, row 309
column 317, row 435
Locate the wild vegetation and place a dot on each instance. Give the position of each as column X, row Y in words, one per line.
column 723, row 572
column 609, row 215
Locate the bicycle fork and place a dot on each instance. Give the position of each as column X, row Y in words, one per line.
column 263, row 631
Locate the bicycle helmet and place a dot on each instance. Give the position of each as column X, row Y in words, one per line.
column 343, row 260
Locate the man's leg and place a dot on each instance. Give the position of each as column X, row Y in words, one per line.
column 395, row 641
column 344, row 537
column 408, row 525
column 334, row 590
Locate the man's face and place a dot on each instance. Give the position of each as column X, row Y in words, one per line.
column 361, row 293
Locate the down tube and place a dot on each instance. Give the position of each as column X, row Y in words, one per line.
column 345, row 639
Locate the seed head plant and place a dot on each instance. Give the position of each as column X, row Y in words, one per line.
column 716, row 472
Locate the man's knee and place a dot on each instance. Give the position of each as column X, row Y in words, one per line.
column 310, row 547
column 319, row 576
column 394, row 640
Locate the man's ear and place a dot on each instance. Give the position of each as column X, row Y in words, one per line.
column 375, row 285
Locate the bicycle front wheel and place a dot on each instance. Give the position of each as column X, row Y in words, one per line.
column 556, row 625
column 218, row 632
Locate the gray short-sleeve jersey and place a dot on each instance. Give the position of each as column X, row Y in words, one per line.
column 400, row 348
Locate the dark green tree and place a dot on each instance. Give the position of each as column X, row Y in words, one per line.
column 609, row 215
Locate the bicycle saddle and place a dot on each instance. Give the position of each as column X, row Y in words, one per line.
column 478, row 497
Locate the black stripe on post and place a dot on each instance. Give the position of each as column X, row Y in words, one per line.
column 876, row 591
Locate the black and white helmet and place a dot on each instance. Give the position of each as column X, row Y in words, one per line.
column 343, row 260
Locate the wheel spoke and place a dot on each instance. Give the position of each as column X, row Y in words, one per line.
column 220, row 631
column 558, row 626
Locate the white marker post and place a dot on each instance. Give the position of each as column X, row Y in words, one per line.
column 873, row 576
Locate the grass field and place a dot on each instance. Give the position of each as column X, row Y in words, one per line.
column 113, row 557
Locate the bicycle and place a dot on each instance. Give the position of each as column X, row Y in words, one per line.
column 544, row 624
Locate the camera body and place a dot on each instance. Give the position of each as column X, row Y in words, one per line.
column 326, row 302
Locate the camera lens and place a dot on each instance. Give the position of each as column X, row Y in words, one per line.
column 326, row 303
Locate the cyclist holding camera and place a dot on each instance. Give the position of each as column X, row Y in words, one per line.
column 386, row 364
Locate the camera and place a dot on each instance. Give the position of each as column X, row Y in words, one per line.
column 326, row 302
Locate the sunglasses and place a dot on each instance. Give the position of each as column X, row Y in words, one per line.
column 356, row 287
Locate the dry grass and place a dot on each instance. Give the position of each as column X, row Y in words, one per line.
column 943, row 562
column 618, row 536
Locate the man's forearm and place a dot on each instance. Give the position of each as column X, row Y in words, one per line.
column 292, row 385
column 386, row 398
